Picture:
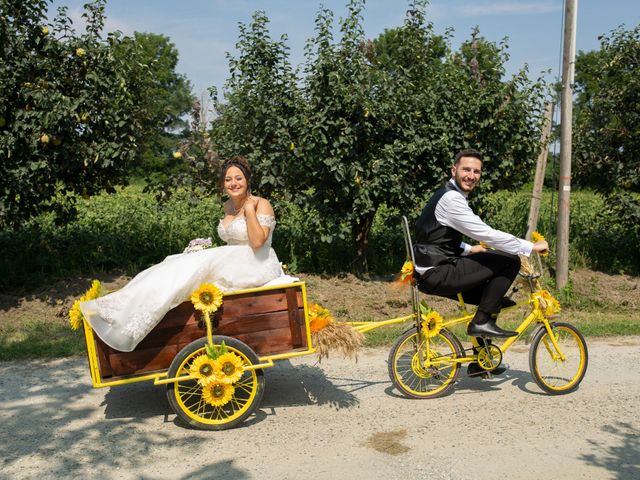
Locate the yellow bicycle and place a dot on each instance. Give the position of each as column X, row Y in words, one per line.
column 425, row 360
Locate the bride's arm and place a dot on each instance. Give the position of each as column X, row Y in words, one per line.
column 258, row 234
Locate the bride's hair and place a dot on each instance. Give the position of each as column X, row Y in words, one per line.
column 239, row 162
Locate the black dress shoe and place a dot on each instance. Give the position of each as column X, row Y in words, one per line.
column 488, row 329
column 506, row 302
column 475, row 370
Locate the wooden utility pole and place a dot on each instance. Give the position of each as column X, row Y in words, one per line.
column 541, row 167
column 566, row 117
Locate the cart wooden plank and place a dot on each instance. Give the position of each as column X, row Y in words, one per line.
column 270, row 322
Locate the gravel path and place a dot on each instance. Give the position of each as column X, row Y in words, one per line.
column 331, row 420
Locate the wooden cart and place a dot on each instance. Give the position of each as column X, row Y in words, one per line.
column 259, row 325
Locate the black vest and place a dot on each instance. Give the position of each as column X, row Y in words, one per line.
column 435, row 243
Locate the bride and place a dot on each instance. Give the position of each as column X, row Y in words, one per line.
column 123, row 318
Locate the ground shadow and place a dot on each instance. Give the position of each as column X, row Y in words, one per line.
column 45, row 416
column 622, row 459
column 288, row 385
column 223, row 470
column 518, row 378
column 136, row 400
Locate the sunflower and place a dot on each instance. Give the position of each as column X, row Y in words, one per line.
column 431, row 323
column 319, row 317
column 204, row 368
column 217, row 394
column 75, row 315
column 536, row 236
column 207, row 298
column 549, row 305
column 406, row 273
column 229, row 368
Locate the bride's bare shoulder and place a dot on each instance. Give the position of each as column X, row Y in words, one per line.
column 264, row 206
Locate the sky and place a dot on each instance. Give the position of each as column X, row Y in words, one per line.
column 204, row 31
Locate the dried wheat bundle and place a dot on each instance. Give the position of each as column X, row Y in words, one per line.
column 528, row 269
column 339, row 337
column 525, row 266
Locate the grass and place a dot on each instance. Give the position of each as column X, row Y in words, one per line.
column 40, row 339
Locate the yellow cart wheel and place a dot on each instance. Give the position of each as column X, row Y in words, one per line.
column 187, row 398
column 417, row 374
column 558, row 372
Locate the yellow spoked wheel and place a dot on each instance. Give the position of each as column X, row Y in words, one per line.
column 557, row 372
column 417, row 374
column 190, row 402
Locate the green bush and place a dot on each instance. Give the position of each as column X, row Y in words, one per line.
column 301, row 248
column 597, row 238
column 129, row 230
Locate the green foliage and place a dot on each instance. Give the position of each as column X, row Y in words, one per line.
column 259, row 118
column 607, row 124
column 299, row 245
column 70, row 109
column 373, row 122
column 131, row 230
column 39, row 339
column 598, row 237
column 194, row 164
column 167, row 99
column 127, row 230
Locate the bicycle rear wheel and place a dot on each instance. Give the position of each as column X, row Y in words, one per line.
column 553, row 374
column 407, row 363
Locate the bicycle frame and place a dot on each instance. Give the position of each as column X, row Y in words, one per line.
column 535, row 316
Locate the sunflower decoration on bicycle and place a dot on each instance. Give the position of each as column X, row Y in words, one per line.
column 536, row 236
column 548, row 304
column 217, row 369
column 431, row 321
column 406, row 273
column 204, row 368
column 229, row 368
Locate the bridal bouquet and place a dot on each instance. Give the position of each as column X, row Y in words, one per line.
column 198, row 244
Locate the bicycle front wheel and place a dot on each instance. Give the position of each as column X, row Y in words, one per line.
column 557, row 372
column 417, row 376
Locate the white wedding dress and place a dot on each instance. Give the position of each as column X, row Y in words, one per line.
column 123, row 318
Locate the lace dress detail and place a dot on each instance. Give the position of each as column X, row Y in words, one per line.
column 123, row 318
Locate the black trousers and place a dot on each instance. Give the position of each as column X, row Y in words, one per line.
column 482, row 278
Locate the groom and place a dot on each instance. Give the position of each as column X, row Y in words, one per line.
column 447, row 266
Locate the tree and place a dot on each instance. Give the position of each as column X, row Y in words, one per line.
column 70, row 110
column 607, row 118
column 167, row 98
column 383, row 119
column 259, row 117
column 499, row 116
column 374, row 122
column 607, row 124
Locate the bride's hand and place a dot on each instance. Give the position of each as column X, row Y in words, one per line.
column 250, row 204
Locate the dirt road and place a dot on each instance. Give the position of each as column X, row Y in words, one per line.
column 333, row 420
